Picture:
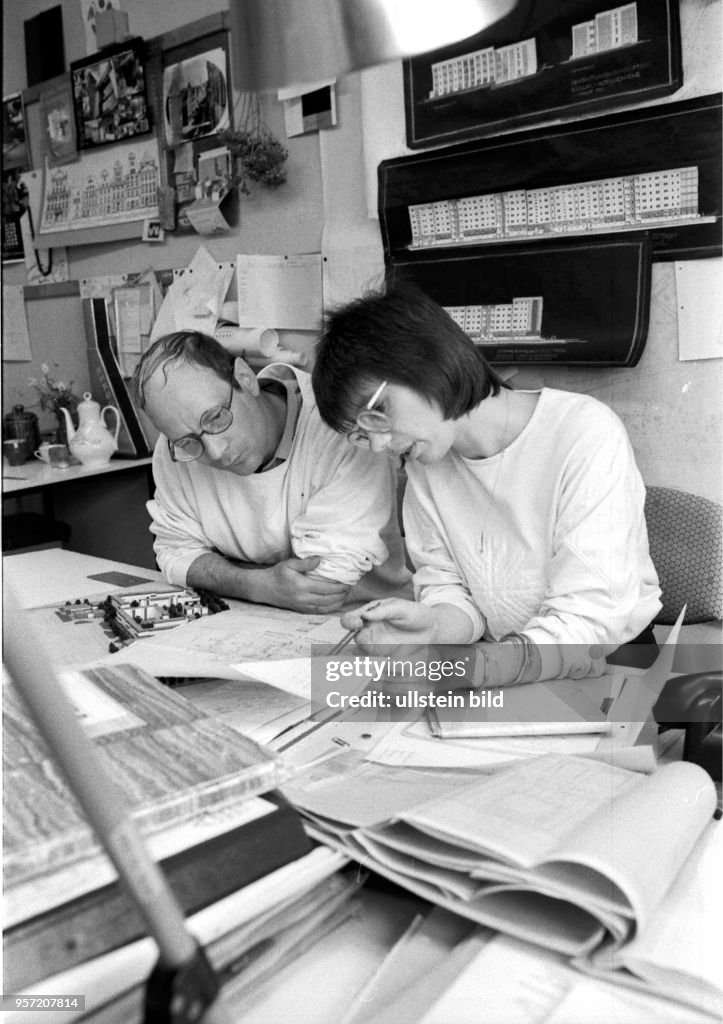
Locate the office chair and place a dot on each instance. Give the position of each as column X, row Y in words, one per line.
column 685, row 533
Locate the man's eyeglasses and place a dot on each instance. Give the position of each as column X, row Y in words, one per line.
column 370, row 421
column 213, row 421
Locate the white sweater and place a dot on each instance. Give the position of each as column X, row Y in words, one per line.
column 547, row 537
column 328, row 499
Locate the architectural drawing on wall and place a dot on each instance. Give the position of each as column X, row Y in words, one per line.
column 502, row 65
column 516, row 323
column 634, row 201
column 484, row 68
column 608, row 30
column 551, row 62
column 107, row 187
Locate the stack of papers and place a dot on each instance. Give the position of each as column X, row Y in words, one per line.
column 554, row 851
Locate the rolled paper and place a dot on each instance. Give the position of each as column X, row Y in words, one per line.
column 288, row 355
column 248, row 341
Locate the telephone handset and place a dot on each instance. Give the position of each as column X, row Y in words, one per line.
column 695, row 703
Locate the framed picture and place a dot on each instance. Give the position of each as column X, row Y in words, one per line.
column 656, row 169
column 109, row 95
column 196, row 97
column 14, row 163
column 572, row 303
column 57, row 125
column 570, row 59
column 191, row 77
column 15, row 149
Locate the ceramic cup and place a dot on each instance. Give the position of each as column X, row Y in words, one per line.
column 42, row 452
column 14, row 452
column 59, row 456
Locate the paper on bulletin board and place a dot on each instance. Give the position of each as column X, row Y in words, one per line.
column 283, row 292
column 134, row 317
column 699, row 288
column 195, row 298
column 309, row 108
column 206, row 218
column 16, row 340
column 89, row 9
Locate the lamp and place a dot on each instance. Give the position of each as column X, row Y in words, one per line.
column 288, row 42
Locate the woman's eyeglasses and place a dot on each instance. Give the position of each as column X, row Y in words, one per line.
column 213, row 421
column 370, row 421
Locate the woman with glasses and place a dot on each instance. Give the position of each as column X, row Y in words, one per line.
column 256, row 498
column 523, row 510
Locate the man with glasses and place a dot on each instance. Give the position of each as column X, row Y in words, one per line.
column 256, row 498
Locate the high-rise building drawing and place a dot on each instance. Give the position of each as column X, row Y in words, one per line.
column 484, row 67
column 609, row 30
column 519, row 321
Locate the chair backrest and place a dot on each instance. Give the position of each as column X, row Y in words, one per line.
column 685, row 533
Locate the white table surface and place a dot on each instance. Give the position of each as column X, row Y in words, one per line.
column 38, row 474
column 322, row 984
column 40, row 578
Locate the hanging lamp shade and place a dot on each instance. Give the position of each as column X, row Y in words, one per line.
column 288, row 42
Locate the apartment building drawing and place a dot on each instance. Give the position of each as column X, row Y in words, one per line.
column 518, row 322
column 484, row 68
column 608, row 30
column 628, row 202
column 501, row 65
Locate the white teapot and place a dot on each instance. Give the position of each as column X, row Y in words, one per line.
column 92, row 443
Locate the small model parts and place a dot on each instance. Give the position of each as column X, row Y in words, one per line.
column 136, row 615
column 131, row 616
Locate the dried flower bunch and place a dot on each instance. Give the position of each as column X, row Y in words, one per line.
column 255, row 150
column 259, row 154
column 53, row 393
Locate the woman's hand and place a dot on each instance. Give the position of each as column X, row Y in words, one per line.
column 394, row 623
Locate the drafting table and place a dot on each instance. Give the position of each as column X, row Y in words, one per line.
column 318, row 986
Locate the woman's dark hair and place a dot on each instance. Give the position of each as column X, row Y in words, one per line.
column 400, row 335
column 182, row 347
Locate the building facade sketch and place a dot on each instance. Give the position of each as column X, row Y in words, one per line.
column 120, row 184
column 519, row 321
column 501, row 65
column 567, row 59
column 608, row 30
column 482, row 68
column 628, row 202
column 506, row 323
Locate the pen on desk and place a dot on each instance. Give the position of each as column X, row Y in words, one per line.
column 348, row 637
column 344, row 642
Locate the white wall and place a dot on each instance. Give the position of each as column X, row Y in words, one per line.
column 671, row 409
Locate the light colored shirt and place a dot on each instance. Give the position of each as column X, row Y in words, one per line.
column 547, row 537
column 327, row 498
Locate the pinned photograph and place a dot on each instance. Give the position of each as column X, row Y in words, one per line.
column 196, row 97
column 15, row 161
column 58, row 125
column 15, row 153
column 109, row 96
